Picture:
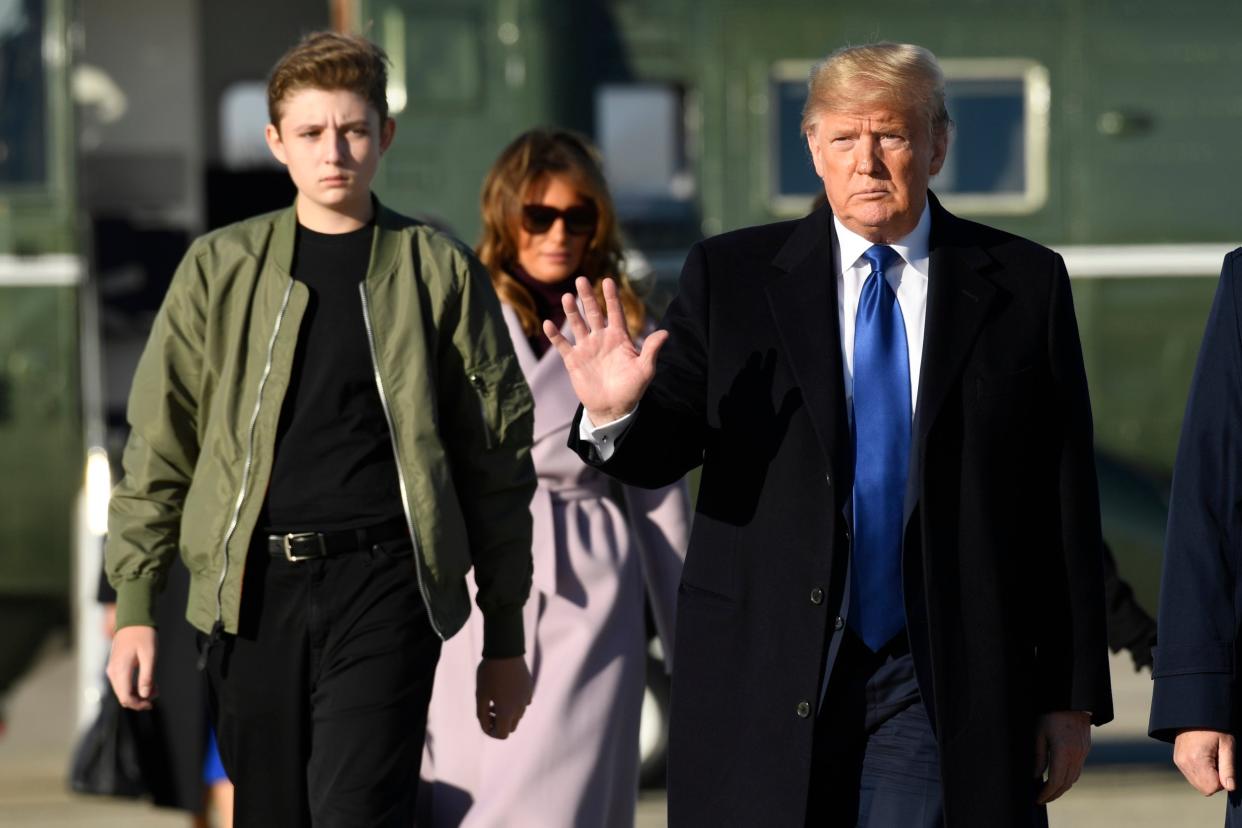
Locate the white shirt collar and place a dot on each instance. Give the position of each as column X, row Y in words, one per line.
column 913, row 247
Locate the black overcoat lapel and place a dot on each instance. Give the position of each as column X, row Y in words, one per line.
column 802, row 294
column 959, row 295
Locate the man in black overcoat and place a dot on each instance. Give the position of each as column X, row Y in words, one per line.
column 1196, row 696
column 891, row 612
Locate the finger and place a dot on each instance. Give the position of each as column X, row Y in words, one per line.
column 1058, row 774
column 1224, row 764
column 119, row 674
column 576, row 325
column 132, row 699
column 1075, row 760
column 612, row 302
column 590, row 307
column 504, row 726
column 1186, row 763
column 651, row 349
column 558, row 340
column 1196, row 758
column 1041, row 754
column 483, row 712
column 146, row 674
column 1201, row 773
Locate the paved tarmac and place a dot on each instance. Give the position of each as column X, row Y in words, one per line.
column 1129, row 782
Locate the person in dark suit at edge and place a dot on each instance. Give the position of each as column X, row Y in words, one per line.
column 891, row 612
column 1195, row 690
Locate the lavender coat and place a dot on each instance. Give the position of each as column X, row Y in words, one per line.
column 574, row 758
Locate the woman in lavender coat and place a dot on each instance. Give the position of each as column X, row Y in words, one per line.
column 598, row 546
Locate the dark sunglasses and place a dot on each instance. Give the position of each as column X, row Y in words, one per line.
column 579, row 221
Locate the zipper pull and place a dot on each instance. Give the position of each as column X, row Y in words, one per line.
column 217, row 630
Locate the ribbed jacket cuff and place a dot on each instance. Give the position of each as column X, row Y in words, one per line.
column 135, row 602
column 503, row 634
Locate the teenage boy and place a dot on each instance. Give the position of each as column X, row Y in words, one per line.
column 328, row 410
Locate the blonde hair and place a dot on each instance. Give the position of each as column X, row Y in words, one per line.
column 522, row 170
column 878, row 74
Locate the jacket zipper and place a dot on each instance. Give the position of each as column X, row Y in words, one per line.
column 392, row 433
column 218, row 628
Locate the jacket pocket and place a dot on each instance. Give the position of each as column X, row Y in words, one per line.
column 1017, row 382
column 696, row 595
column 503, row 399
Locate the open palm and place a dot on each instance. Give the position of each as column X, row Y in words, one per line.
column 609, row 374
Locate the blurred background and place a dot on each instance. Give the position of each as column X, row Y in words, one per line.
column 1106, row 129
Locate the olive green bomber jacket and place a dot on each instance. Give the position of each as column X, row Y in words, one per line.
column 206, row 401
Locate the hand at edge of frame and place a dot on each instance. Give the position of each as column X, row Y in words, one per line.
column 1206, row 759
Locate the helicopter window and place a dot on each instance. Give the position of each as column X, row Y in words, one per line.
column 23, row 118
column 243, row 115
column 641, row 133
column 998, row 152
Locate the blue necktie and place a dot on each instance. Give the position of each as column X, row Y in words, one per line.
column 881, row 455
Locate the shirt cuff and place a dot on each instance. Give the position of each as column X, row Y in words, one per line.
column 604, row 438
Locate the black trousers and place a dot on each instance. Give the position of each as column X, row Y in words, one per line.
column 320, row 700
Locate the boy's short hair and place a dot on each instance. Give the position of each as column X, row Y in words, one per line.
column 330, row 60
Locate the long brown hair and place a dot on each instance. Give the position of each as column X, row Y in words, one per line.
column 525, row 165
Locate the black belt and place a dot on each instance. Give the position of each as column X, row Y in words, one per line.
column 304, row 546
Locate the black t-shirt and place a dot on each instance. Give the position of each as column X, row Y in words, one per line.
column 334, row 466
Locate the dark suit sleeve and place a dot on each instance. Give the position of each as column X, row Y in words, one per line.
column 1193, row 674
column 668, row 434
column 1072, row 648
column 1129, row 625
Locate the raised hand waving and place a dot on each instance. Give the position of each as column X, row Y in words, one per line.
column 609, row 374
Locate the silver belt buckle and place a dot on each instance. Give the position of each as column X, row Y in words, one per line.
column 294, row 536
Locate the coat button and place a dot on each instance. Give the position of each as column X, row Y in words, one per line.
column 804, row 709
column 817, row 596
column 828, row 477
column 838, row 623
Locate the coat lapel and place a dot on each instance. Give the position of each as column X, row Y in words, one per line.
column 527, row 360
column 546, row 377
column 959, row 296
column 802, row 294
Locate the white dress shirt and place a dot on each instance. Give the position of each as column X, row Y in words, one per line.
column 909, row 282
